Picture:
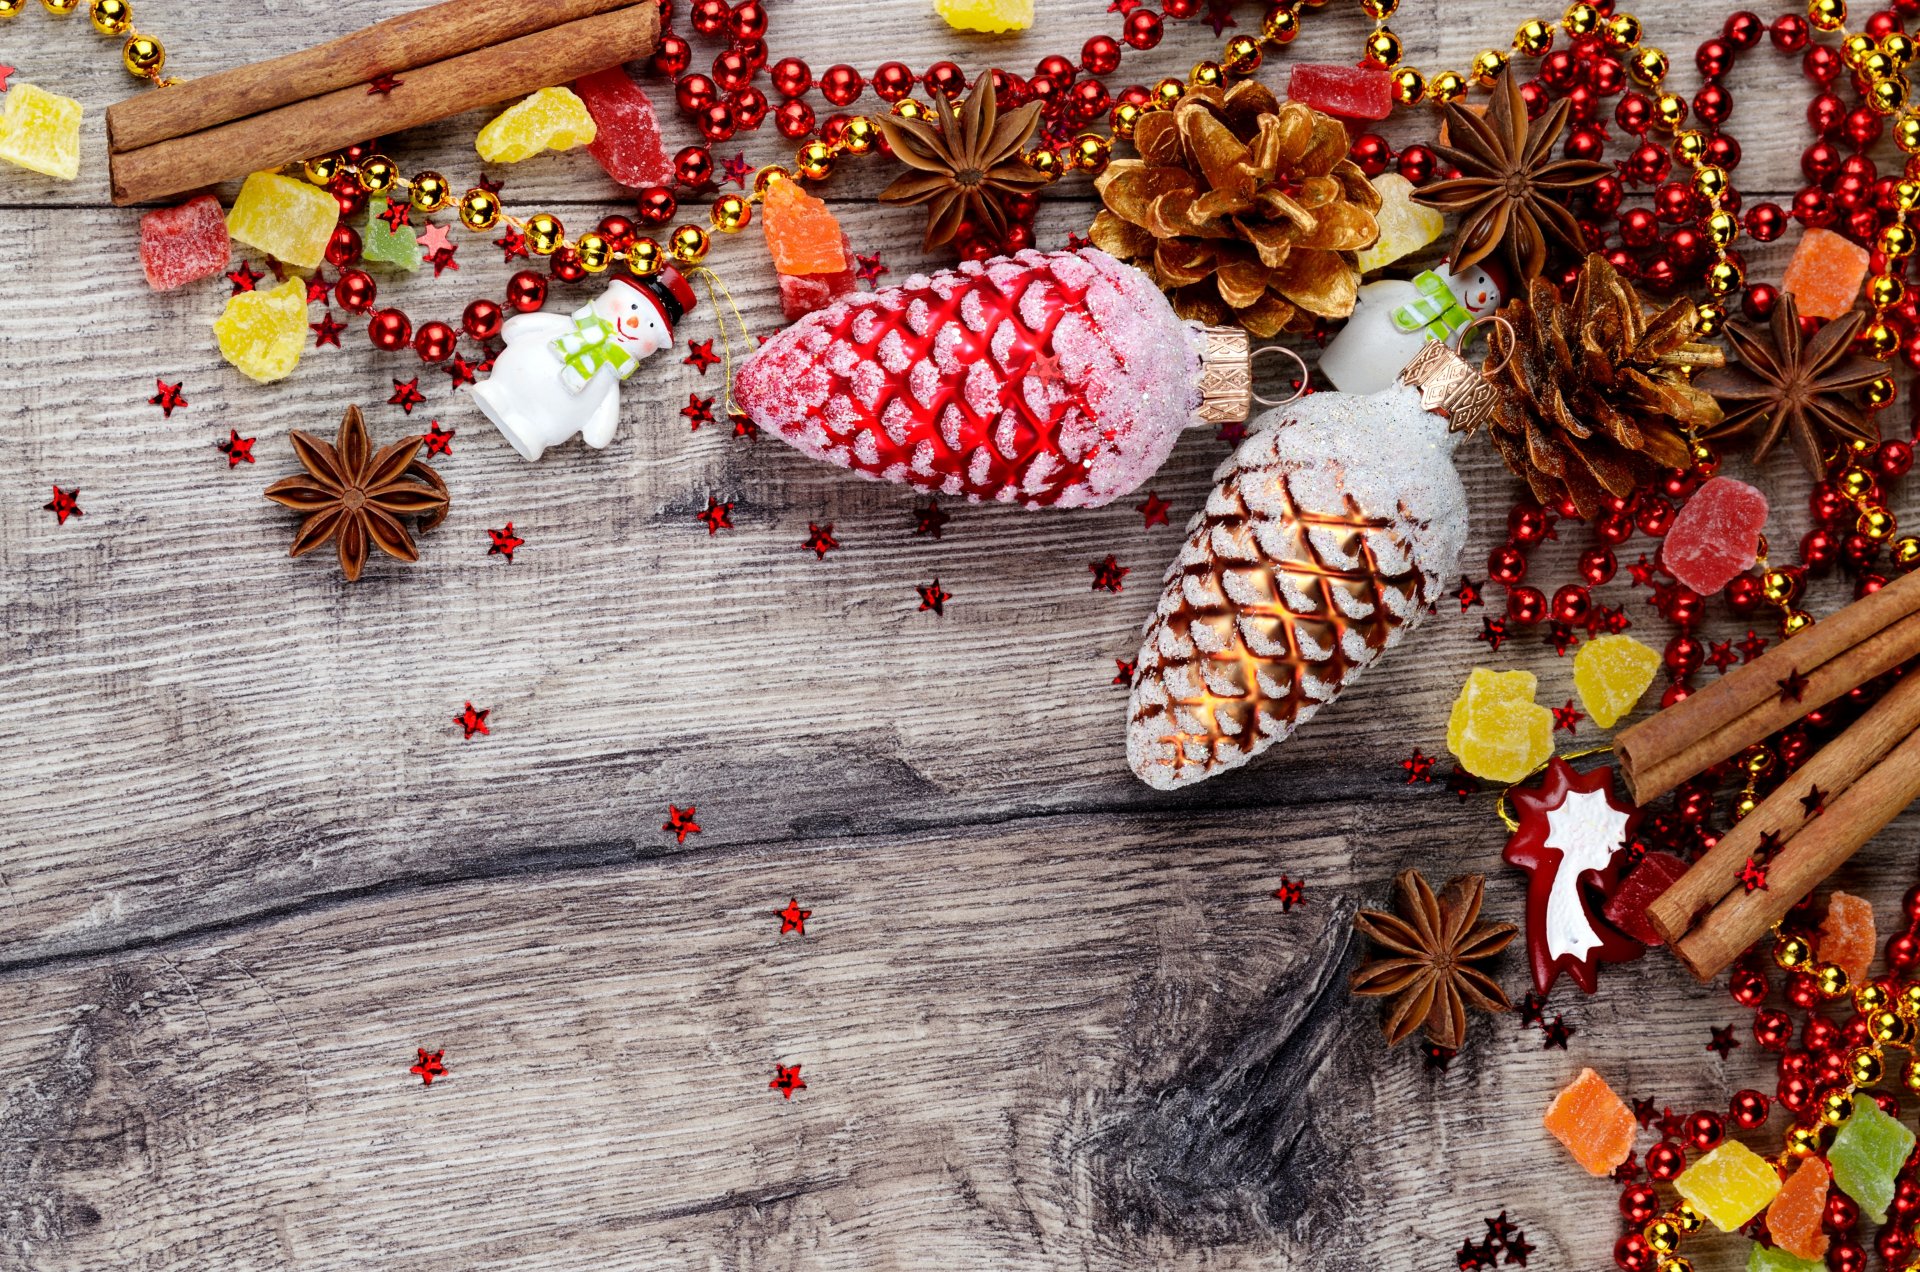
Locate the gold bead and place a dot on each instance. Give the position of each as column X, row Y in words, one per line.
column 1662, row 1235
column 1885, row 1027
column 1872, row 997
column 143, row 55
column 1878, row 66
column 1906, row 555
column 1708, row 318
column 1242, row 55
column 907, row 108
column 815, row 161
column 1789, row 952
column 1126, row 118
column 11, row 8
column 1827, row 15
column 322, row 169
column 1045, row 162
column 1409, row 86
column 1906, row 133
column 1168, row 92
column 1382, row 48
column 1746, row 803
column 1533, row 39
column 479, row 209
column 111, row 17
column 594, row 251
column 862, row 135
column 689, row 244
column 1669, row 110
column 1855, row 49
column 1896, row 240
column 1581, row 19
column 1379, row 10
column 1900, row 47
column 1866, row 1066
column 1280, row 26
column 1649, row 65
column 1723, row 227
column 1091, row 152
column 1795, row 622
column 1486, row 67
column 1782, row 588
column 1836, row 1107
column 767, row 176
column 377, row 173
column 1447, row 86
column 1877, row 524
column 1831, row 980
column 1676, row 1263
column 1879, row 340
column 1206, row 75
column 1757, row 760
column 61, row 7
column 730, row 214
column 1906, row 194
column 1884, row 291
column 1910, row 1075
column 644, row 258
column 544, row 233
column 1887, row 96
column 1687, row 1219
column 1724, row 278
column 1623, row 31
column 1690, row 147
column 431, row 192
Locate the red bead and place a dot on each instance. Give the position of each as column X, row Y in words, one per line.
column 565, row 265
column 1526, row 605
column 715, row 122
column 1417, row 163
column 894, row 81
column 1558, row 69
column 1812, row 207
column 343, row 246
column 1749, row 1109
column 709, row 17
column 1571, row 604
column 1665, row 1161
column 695, row 93
column 1613, row 529
column 355, row 291
column 1142, row 29
column 1705, row 1131
column 617, row 230
column 1795, row 1064
column 1534, row 94
column 1863, row 127
column 1858, row 551
column 1795, row 1093
column 435, row 342
column 1528, row 523
column 656, row 205
column 1372, row 153
column 1724, row 151
column 794, row 118
column 347, row 193
column 1714, row 58
column 1713, row 104
column 1634, row 113
column 1604, row 195
column 1819, row 550
column 1846, row 1256
column 944, row 78
column 1743, row 28
column 1765, row 221
column 389, row 329
column 1906, row 1198
column 1631, row 1253
column 732, row 71
column 482, row 319
column 792, row 77
column 1893, row 459
column 1748, row 987
column 1675, row 202
column 1639, row 1204
column 693, row 167
column 1639, row 228
column 1684, row 655
column 755, row 51
column 1089, row 99
column 1821, row 64
column 1587, row 142
column 1648, row 164
column 1656, row 514
column 1181, row 8
column 841, row 85
column 1903, row 951
column 1598, row 565
column 1842, row 1212
column 749, row 107
column 1605, row 76
column 672, row 55
column 1820, row 1035
column 526, row 291
column 1100, row 55
column 1790, row 32
column 749, row 21
column 1507, row 564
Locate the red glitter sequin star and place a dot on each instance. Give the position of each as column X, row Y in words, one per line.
column 512, row 243
column 383, row 84
column 736, row 170
column 318, row 288
column 933, row 597
column 700, row 355
column 1722, row 656
column 1290, row 893
column 1814, row 802
column 1532, row 1010
column 1753, row 876
column 327, row 330
column 1517, row 1249
column 1418, row 767
column 1567, row 717
column 244, row 278
column 1753, row 646
column 1561, row 637
column 680, row 822
column 64, row 504
column 1492, row 631
column 1076, row 242
column 1123, row 672
column 1723, row 1040
column 428, row 1066
column 1500, row 1231
column 1628, row 1171
column 786, row 1080
column 793, row 918
column 1794, row 687
column 930, row 519
column 1108, row 574
column 492, row 185
column 1154, row 510
column 237, row 449
column 869, row 267
column 744, row 427
column 407, row 395
column 168, row 397
column 505, row 542
column 1233, row 432
column 434, row 238
column 442, row 259
column 1220, row 16
column 718, row 516
column 459, row 371
column 820, row 540
column 1557, row 1032
column 1468, row 594
column 439, row 440
column 473, row 721
column 397, row 215
column 1644, row 1112
column 1642, row 571
column 698, row 411
column 1462, row 783
column 1474, row 1258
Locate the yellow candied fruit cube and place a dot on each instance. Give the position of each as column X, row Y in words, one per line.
column 1405, row 226
column 551, row 119
column 263, row 333
column 1611, row 673
column 41, row 131
column 1730, row 1185
column 288, row 219
column 991, row 16
column 1495, row 729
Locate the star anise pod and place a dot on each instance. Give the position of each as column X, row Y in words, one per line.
column 967, row 164
column 1785, row 381
column 354, row 497
column 1510, row 189
column 1434, row 942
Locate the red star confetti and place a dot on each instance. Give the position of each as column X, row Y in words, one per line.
column 318, row 288
column 1499, row 1231
column 869, row 267
column 327, row 330
column 786, row 1080
column 1567, row 717
column 1290, row 893
column 407, row 395
column 1753, row 646
column 64, row 504
column 1517, row 1249
column 5, row 71
column 736, row 170
column 1468, row 594
column 1722, row 656
column 1642, row 571
column 168, row 398
column 1474, row 1258
column 443, row 260
column 429, row 1066
column 473, row 721
column 1432, row 1057
column 1418, row 767
column 237, row 449
column 459, row 371
column 930, row 519
column 505, row 542
column 439, row 440
column 1075, row 242
column 1123, row 673
column 513, row 244
column 793, row 918
column 1644, row 1111
column 244, row 278
column 1532, row 1010
column 680, row 822
column 1628, row 1171
column 700, row 356
column 1723, row 1041
column 1557, row 1032
column 1154, row 510
column 1794, row 687
column 1753, row 876
column 397, row 215
column 744, row 427
column 383, row 84
column 1561, row 637
column 434, row 238
column 1672, row 1124
column 933, row 597
column 1108, row 574
column 717, row 517
column 1814, row 802
column 492, row 185
column 1492, row 631
column 1462, row 783
column 820, row 540
column 698, row 411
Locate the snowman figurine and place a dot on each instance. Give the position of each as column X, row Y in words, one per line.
column 561, row 375
column 1394, row 317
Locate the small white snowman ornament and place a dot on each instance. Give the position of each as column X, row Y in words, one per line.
column 560, row 375
column 1394, row 317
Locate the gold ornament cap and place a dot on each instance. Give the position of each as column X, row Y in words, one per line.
column 1450, row 387
column 1226, row 375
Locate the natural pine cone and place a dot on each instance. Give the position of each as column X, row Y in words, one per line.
column 1595, row 395
column 1244, row 210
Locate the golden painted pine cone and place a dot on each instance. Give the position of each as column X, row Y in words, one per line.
column 1243, row 209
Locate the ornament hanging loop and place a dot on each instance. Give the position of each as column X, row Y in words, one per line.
column 1489, row 370
column 1299, row 389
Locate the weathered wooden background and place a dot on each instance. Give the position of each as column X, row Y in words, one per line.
column 1047, row 1017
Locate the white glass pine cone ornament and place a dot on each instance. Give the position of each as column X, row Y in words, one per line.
column 1329, row 533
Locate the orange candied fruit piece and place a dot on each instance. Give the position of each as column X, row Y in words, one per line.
column 1847, row 935
column 802, row 234
column 1795, row 1219
column 1595, row 1124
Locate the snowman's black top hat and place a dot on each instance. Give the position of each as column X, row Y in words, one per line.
column 669, row 292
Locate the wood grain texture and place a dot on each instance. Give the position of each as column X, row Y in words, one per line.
column 1048, row 1017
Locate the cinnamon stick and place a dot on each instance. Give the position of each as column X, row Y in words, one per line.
column 1810, row 856
column 389, row 47
column 335, row 120
column 1782, row 814
column 1863, row 640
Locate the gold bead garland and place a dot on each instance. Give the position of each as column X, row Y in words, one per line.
column 142, row 55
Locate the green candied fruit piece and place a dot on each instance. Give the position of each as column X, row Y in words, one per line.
column 1867, row 1154
column 1770, row 1259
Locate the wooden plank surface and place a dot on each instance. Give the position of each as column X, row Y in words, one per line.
column 1048, row 1018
